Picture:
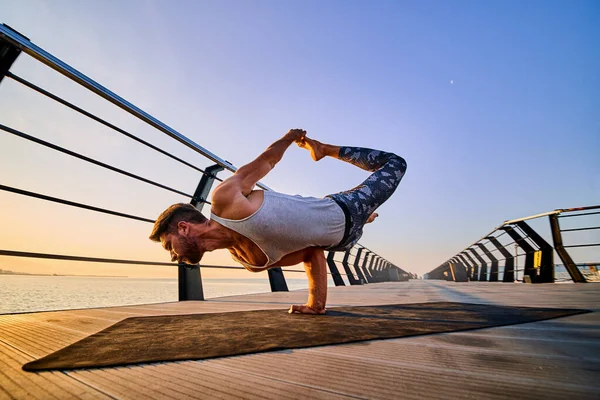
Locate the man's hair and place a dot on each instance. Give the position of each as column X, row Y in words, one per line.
column 168, row 220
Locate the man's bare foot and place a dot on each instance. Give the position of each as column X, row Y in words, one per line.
column 372, row 218
column 316, row 148
column 304, row 309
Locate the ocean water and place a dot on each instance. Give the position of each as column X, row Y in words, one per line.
column 29, row 293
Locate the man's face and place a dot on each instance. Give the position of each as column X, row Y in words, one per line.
column 181, row 247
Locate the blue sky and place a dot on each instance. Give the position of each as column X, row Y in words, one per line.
column 493, row 104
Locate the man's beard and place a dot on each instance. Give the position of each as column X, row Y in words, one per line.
column 191, row 253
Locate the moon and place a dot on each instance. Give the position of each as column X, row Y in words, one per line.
column 452, row 82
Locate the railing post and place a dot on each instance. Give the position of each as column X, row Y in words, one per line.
column 190, row 277
column 575, row 273
column 468, row 267
column 351, row 278
column 335, row 273
column 277, row 280
column 359, row 273
column 483, row 272
column 475, row 269
column 8, row 54
column 394, row 274
column 370, row 268
column 509, row 261
column 376, row 269
column 458, row 271
column 190, row 282
column 546, row 267
column 364, row 267
column 494, row 260
column 386, row 271
column 206, row 182
column 527, row 248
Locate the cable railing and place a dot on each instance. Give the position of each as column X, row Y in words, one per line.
column 367, row 267
column 477, row 262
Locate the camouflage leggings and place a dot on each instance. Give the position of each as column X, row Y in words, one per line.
column 359, row 203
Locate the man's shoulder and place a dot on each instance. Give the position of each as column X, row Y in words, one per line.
column 232, row 204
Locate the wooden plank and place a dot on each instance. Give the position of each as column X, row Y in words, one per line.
column 548, row 359
column 383, row 378
column 243, row 384
column 48, row 385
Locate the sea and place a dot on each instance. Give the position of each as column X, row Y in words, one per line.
column 31, row 293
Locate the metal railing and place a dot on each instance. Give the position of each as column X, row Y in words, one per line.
column 373, row 268
column 539, row 267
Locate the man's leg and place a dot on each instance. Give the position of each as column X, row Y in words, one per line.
column 361, row 201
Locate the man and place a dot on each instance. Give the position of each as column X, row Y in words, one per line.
column 266, row 229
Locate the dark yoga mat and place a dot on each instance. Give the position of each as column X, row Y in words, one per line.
column 193, row 337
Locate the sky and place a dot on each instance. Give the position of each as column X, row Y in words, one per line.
column 493, row 104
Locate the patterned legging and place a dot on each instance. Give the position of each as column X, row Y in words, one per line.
column 359, row 203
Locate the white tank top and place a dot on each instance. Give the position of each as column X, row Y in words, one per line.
column 284, row 224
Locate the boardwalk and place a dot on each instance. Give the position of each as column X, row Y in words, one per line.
column 553, row 359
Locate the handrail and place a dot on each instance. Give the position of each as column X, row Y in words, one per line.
column 80, row 110
column 47, row 256
column 91, row 160
column 72, row 203
column 530, row 242
column 46, row 58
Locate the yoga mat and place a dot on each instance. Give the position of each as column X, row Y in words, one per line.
column 200, row 336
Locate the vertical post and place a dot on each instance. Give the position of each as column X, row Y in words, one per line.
column 575, row 273
column 516, row 261
column 206, row 182
column 335, row 274
column 527, row 248
column 364, row 267
column 378, row 269
column 468, row 267
column 509, row 265
column 393, row 273
column 386, row 270
column 383, row 271
column 277, row 280
column 8, row 54
column 494, row 260
column 351, row 278
column 370, row 269
column 546, row 267
column 459, row 272
column 475, row 269
column 359, row 273
column 483, row 273
column 190, row 277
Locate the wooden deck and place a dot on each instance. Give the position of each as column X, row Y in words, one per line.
column 555, row 359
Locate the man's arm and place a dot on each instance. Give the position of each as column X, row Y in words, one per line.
column 315, row 266
column 248, row 175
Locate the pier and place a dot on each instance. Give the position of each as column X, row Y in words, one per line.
column 552, row 359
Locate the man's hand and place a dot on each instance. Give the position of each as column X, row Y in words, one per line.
column 296, row 135
column 305, row 310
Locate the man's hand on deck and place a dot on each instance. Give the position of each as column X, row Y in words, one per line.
column 304, row 309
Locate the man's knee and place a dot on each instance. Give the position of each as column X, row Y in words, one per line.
column 400, row 161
